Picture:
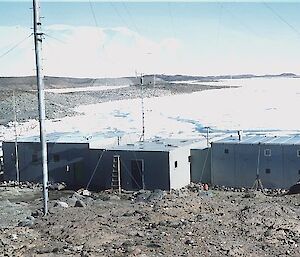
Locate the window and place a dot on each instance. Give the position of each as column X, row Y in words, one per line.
column 268, row 171
column 34, row 158
column 267, row 152
column 298, row 172
column 56, row 158
column 298, row 153
column 226, row 151
column 189, row 158
column 175, row 164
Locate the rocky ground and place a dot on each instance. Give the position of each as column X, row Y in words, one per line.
column 186, row 222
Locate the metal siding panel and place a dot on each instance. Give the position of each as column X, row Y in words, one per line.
column 223, row 165
column 201, row 165
column 101, row 179
column 246, row 164
column 156, row 168
column 9, row 165
column 291, row 165
column 275, row 164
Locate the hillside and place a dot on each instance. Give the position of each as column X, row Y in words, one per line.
column 59, row 105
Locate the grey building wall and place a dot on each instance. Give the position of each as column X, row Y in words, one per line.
column 271, row 167
column 223, row 165
column 245, row 164
column 155, row 173
column 201, row 165
column 291, row 164
column 237, row 167
column 77, row 166
column 66, row 162
column 148, row 80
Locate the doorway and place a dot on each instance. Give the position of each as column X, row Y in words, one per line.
column 78, row 168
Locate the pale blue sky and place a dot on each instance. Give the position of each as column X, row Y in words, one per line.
column 189, row 38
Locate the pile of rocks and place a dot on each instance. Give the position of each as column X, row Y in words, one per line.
column 25, row 184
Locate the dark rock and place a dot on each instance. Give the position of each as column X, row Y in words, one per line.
column 142, row 196
column 189, row 242
column 250, row 194
column 153, row 245
column 37, row 213
column 80, row 203
column 295, row 189
column 156, row 195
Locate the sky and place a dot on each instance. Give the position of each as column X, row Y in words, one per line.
column 112, row 39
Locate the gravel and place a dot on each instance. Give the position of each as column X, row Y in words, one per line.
column 183, row 222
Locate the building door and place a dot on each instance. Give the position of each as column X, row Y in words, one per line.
column 137, row 174
column 78, row 174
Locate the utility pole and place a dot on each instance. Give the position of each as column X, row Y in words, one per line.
column 38, row 38
column 16, row 138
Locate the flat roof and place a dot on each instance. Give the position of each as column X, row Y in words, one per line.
column 261, row 139
column 100, row 141
column 158, row 145
column 63, row 137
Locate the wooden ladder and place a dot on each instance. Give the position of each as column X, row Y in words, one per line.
column 116, row 174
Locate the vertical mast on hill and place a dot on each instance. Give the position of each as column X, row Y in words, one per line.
column 16, row 139
column 143, row 112
column 38, row 37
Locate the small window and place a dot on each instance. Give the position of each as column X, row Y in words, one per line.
column 267, row 152
column 298, row 153
column 175, row 164
column 226, row 151
column 34, row 158
column 56, row 158
column 189, row 158
column 268, row 171
column 298, row 172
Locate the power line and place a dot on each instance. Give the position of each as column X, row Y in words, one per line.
column 220, row 22
column 130, row 16
column 282, row 19
column 102, row 45
column 15, row 46
column 118, row 14
column 241, row 22
column 171, row 19
column 55, row 38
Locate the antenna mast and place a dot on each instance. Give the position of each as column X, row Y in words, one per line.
column 143, row 112
column 38, row 38
column 16, row 138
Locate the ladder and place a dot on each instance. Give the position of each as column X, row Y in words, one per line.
column 116, row 174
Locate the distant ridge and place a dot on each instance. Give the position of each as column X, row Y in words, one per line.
column 206, row 78
column 29, row 82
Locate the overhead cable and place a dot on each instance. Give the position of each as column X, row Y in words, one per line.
column 15, row 46
column 282, row 19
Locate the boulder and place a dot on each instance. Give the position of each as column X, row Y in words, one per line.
column 80, row 203
column 61, row 204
